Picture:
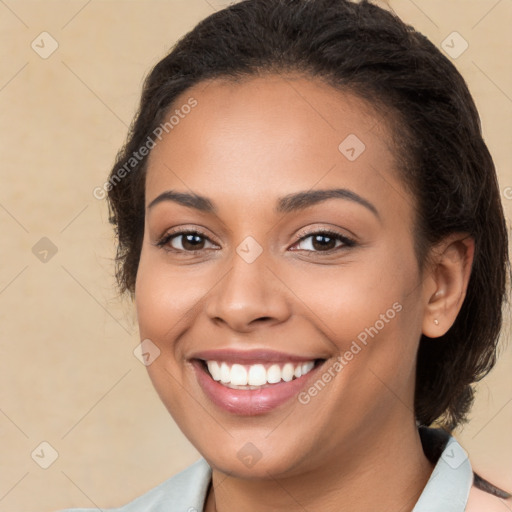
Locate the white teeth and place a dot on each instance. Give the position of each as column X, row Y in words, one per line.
column 274, row 374
column 288, row 372
column 253, row 376
column 214, row 369
column 225, row 373
column 257, row 375
column 238, row 375
column 307, row 367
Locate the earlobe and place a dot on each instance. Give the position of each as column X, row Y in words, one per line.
column 449, row 273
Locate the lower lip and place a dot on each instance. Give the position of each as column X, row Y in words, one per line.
column 250, row 402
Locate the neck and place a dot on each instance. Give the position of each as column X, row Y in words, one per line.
column 387, row 471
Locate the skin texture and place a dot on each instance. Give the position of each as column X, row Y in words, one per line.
column 354, row 446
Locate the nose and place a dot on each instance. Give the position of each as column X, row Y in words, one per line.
column 248, row 295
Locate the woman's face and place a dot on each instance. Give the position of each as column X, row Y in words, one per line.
column 259, row 288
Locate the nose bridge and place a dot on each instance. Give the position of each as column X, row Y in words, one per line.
column 248, row 291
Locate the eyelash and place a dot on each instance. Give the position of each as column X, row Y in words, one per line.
column 346, row 242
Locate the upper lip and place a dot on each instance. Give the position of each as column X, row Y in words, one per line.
column 253, row 356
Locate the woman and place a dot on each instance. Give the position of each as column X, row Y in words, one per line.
column 310, row 225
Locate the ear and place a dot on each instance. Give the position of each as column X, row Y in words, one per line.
column 446, row 282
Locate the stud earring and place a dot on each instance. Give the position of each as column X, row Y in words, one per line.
column 436, row 321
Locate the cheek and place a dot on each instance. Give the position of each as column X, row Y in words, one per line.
column 372, row 318
column 166, row 297
column 349, row 300
column 370, row 312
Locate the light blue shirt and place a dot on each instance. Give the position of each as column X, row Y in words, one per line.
column 447, row 489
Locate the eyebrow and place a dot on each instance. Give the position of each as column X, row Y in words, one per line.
column 290, row 203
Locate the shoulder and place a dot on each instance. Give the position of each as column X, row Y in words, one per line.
column 481, row 501
column 183, row 491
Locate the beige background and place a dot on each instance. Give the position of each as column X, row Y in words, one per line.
column 68, row 373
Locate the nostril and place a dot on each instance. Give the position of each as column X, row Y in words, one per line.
column 262, row 318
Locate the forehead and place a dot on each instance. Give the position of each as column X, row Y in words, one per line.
column 249, row 137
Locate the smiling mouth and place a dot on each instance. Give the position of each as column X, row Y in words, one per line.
column 256, row 376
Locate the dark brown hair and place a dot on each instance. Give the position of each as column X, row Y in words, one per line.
column 370, row 52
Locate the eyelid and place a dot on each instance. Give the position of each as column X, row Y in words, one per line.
column 327, row 229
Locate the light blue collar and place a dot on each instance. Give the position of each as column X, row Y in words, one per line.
column 448, row 487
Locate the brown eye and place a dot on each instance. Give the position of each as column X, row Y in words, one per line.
column 192, row 242
column 185, row 241
column 323, row 242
